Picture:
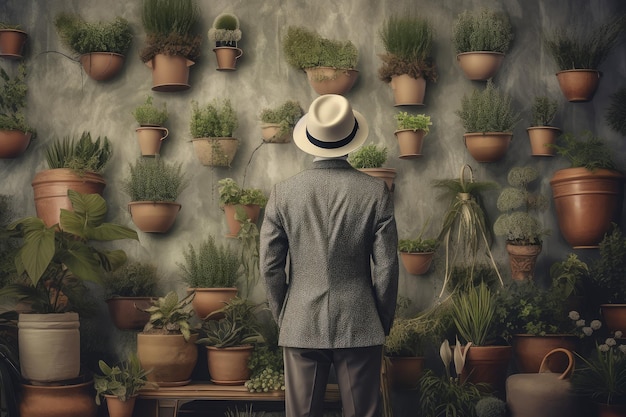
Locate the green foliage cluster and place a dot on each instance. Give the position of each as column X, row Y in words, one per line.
column 410, row 335
column 154, row 180
column 83, row 37
column 588, row 151
column 608, row 272
column 13, row 101
column 169, row 315
column 286, row 115
column 616, row 112
column 80, row 155
column 408, row 41
column 575, row 48
column 7, row 246
column 418, row 245
column 133, row 279
column 491, row 407
column 486, row 30
column 266, row 362
column 217, row 119
column 413, row 122
column 225, row 29
column 543, row 111
column 148, row 114
column 232, row 193
column 123, row 380
column 473, row 312
column 239, row 325
column 368, row 156
column 443, row 396
column 210, row 265
column 304, row 48
column 4, row 25
column 489, row 110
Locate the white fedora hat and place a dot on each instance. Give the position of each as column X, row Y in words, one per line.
column 331, row 128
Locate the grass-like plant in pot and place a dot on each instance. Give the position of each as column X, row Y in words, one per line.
column 15, row 132
column 370, row 159
column 234, row 198
column 278, row 122
column 151, row 131
column 410, row 132
column 541, row 133
column 488, row 117
column 211, row 127
column 616, row 111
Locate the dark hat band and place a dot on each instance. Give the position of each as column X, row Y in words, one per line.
column 337, row 144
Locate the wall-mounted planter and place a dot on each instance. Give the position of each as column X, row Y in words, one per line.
column 480, row 65
column 488, row 146
column 125, row 313
column 154, row 216
column 150, row 139
column 270, row 132
column 170, row 72
column 387, row 174
column 416, row 263
column 13, row 143
column 410, row 143
column 408, row 91
column 12, row 43
column 102, row 66
column 252, row 212
column 540, row 137
column 215, row 152
column 327, row 80
column 579, row 85
column 227, row 57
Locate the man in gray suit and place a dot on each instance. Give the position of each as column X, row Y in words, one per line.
column 330, row 266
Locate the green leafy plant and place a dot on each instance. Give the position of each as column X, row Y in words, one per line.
column 286, row 115
column 169, row 315
column 413, row 121
column 225, row 29
column 249, row 255
column 568, row 276
column 410, row 335
column 232, row 193
column 368, row 156
column 148, row 114
column 419, row 244
column 491, row 407
column 486, row 30
column 154, row 180
column 80, row 155
column 489, row 110
column 608, row 272
column 266, row 362
column 408, row 41
column 210, row 265
column 304, row 48
column 83, row 37
column 588, row 151
column 473, row 312
column 616, row 112
column 216, row 119
column 123, row 380
column 133, row 279
column 13, row 101
column 543, row 111
column 238, row 326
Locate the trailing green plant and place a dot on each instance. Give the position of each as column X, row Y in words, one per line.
column 368, row 156
column 474, row 311
column 543, row 111
column 123, row 380
column 237, row 327
column 408, row 40
column 575, row 48
column 133, row 279
column 518, row 223
column 217, row 119
column 232, row 193
column 210, row 265
column 80, row 155
column 616, row 112
column 169, row 315
column 152, row 179
column 486, row 30
column 608, row 271
column 286, row 115
column 148, row 114
column 489, row 110
column 13, row 101
column 84, row 37
column 305, row 48
column 587, row 151
column 172, row 28
column 249, row 255
column 225, row 29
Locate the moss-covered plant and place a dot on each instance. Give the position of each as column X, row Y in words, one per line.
column 305, row 48
column 217, row 119
column 84, row 37
column 81, row 155
column 172, row 28
column 239, row 325
column 413, row 122
column 225, row 30
column 543, row 111
column 486, row 30
column 608, row 271
column 616, row 112
column 148, row 114
column 489, row 110
column 587, row 151
column 154, row 180
column 133, row 279
column 13, row 101
column 368, row 156
column 169, row 315
column 408, row 41
column 210, row 265
column 286, row 115
column 230, row 192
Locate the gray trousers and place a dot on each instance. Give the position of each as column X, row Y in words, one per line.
column 358, row 377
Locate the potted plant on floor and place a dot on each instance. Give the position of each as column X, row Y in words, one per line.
column 12, row 41
column 330, row 64
column 15, row 132
column 225, row 34
column 518, row 222
column 541, row 133
column 277, row 123
column 408, row 62
column 212, row 272
column 481, row 39
column 370, row 160
column 233, row 197
column 616, row 112
column 101, row 46
column 212, row 128
column 578, row 55
column 585, row 213
column 488, row 117
column 173, row 42
column 151, row 131
column 411, row 130
column 153, row 186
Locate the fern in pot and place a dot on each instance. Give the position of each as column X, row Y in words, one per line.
column 15, row 132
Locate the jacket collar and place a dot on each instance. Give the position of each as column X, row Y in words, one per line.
column 334, row 163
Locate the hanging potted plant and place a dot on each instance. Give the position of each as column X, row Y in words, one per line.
column 541, row 133
column 330, row 64
column 370, row 159
column 417, row 254
column 578, row 55
column 101, row 46
column 488, row 117
column 212, row 128
column 277, row 123
column 411, row 130
column 225, row 34
column 154, row 186
column 173, row 42
column 151, row 131
column 15, row 133
column 481, row 40
column 12, row 41
column 518, row 224
column 409, row 62
column 233, row 198
column 588, row 195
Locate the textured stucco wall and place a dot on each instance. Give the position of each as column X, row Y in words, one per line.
column 64, row 101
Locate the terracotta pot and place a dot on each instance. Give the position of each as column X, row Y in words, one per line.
column 480, row 65
column 207, row 300
column 488, row 146
column 13, row 143
column 50, row 190
column 579, row 85
column 170, row 357
column 270, row 132
column 229, row 366
column 611, row 410
column 215, row 152
column 12, row 43
column 539, row 137
column 416, row 263
column 614, row 316
column 387, row 174
column 410, row 143
column 125, row 314
column 488, row 364
column 522, row 259
column 170, row 72
column 587, row 203
column 405, row 372
column 119, row 408
column 252, row 211
column 150, row 139
column 408, row 91
column 529, row 351
column 227, row 57
column 154, row 216
column 77, row 400
column 102, row 66
column 327, row 80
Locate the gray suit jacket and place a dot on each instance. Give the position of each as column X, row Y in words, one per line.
column 329, row 257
